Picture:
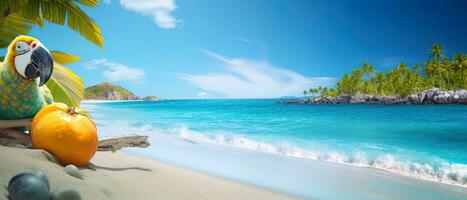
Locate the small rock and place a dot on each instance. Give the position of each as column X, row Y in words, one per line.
column 29, row 185
column 73, row 171
column 65, row 193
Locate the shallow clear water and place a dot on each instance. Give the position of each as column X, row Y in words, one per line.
column 426, row 142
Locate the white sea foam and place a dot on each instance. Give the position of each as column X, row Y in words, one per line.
column 444, row 172
column 450, row 173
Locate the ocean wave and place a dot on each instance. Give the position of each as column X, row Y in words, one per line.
column 450, row 173
column 439, row 170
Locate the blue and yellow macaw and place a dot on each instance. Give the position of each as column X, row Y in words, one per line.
column 30, row 79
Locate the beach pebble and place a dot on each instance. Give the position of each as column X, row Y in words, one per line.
column 29, row 185
column 72, row 170
column 65, row 193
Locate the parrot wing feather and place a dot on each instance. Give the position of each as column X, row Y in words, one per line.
column 63, row 58
column 65, row 85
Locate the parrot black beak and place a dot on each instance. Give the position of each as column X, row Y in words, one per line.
column 41, row 65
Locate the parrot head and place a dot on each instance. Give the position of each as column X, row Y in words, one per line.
column 30, row 59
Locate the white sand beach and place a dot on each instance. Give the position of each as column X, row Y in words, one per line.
column 124, row 176
column 87, row 101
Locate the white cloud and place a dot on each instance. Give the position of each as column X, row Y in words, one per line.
column 116, row 71
column 159, row 10
column 107, row 1
column 202, row 94
column 247, row 78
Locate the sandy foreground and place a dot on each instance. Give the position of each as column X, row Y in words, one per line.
column 125, row 176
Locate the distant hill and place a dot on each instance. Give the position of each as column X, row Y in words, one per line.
column 108, row 91
column 150, row 98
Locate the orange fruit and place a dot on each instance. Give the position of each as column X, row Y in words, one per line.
column 68, row 133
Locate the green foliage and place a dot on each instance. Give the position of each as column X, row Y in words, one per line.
column 440, row 72
column 332, row 93
column 445, row 73
column 17, row 17
column 322, row 91
column 12, row 26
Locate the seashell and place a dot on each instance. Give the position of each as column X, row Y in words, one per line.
column 72, row 170
column 29, row 185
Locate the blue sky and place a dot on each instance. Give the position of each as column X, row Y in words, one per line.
column 253, row 48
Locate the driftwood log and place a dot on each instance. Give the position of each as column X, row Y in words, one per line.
column 116, row 143
column 10, row 136
column 15, row 123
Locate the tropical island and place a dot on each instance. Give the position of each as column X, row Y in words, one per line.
column 108, row 91
column 441, row 80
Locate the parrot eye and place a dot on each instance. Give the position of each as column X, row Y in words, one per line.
column 21, row 47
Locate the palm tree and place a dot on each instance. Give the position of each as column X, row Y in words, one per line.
column 324, row 91
column 315, row 91
column 435, row 67
column 437, row 52
column 380, row 84
column 17, row 17
column 460, row 69
column 344, row 85
column 304, row 92
column 368, row 69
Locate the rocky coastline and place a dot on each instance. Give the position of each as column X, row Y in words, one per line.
column 430, row 96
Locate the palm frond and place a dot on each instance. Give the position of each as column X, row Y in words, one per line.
column 89, row 3
column 66, row 86
column 82, row 23
column 63, row 58
column 54, row 11
column 12, row 26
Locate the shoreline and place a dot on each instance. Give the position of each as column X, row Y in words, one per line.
column 88, row 101
column 312, row 179
column 359, row 165
column 297, row 153
column 124, row 175
column 352, row 165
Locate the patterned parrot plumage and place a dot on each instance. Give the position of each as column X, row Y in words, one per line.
column 20, row 97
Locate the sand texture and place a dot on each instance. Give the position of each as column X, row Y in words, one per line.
column 125, row 176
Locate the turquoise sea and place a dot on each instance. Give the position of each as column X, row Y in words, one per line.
column 311, row 151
